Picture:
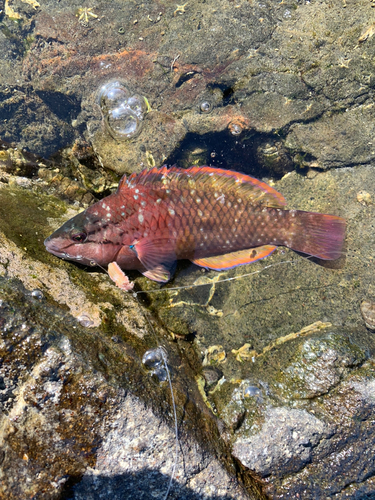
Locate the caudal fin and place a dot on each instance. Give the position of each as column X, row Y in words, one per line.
column 319, row 235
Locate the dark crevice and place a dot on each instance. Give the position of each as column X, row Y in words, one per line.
column 185, row 77
column 227, row 90
column 241, row 153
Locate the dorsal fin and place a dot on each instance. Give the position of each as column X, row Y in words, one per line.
column 215, row 178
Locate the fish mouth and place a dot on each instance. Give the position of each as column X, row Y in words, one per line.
column 54, row 250
column 63, row 254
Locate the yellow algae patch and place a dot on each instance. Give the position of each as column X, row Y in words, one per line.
column 201, row 383
column 214, row 354
column 12, row 14
column 245, row 352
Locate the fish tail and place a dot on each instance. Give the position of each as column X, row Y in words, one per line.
column 319, row 235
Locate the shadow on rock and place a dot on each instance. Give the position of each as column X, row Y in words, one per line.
column 146, row 484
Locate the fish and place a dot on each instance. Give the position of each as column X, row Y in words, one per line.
column 216, row 218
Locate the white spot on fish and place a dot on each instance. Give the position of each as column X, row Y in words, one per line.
column 201, row 230
column 200, row 213
column 123, row 214
column 192, row 192
column 205, row 236
column 168, row 191
column 108, row 215
column 104, row 205
column 171, row 211
column 215, row 195
column 143, row 203
column 137, row 190
column 293, row 213
column 239, row 200
column 136, row 197
column 227, row 242
column 108, row 208
column 158, row 200
column 198, row 200
column 229, row 204
column 122, row 206
column 140, row 218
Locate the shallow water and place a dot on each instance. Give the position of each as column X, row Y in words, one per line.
column 283, row 92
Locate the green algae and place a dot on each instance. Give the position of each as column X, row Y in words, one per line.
column 24, row 218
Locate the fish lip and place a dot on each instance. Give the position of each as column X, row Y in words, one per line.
column 48, row 243
column 64, row 255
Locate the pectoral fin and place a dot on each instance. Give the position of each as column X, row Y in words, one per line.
column 158, row 256
column 234, row 259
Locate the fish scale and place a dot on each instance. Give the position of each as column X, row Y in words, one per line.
column 217, row 218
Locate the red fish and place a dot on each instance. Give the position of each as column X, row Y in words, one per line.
column 217, row 218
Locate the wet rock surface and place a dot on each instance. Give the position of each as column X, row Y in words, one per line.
column 65, row 413
column 222, row 78
column 273, row 374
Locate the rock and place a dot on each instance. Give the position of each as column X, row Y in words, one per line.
column 285, row 443
column 66, row 415
column 269, row 71
column 138, row 455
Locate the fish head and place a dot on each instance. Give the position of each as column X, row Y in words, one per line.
column 82, row 239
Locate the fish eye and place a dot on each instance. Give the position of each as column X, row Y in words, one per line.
column 78, row 237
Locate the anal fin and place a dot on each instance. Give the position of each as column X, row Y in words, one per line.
column 234, row 259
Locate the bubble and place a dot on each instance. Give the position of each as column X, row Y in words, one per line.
column 85, row 321
column 122, row 112
column 213, row 154
column 160, row 373
column 234, row 128
column 251, row 391
column 112, row 95
column 154, row 361
column 37, row 294
column 122, row 123
column 206, row 107
column 154, row 357
column 138, row 105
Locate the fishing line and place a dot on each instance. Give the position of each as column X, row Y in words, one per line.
column 218, row 281
column 165, row 363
